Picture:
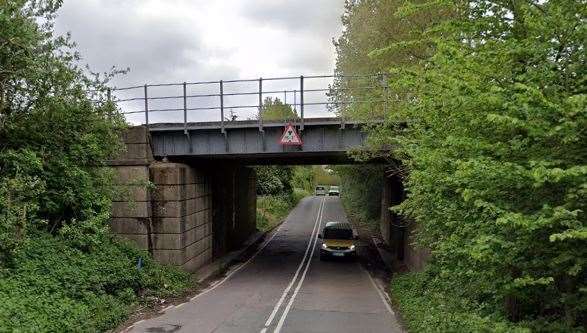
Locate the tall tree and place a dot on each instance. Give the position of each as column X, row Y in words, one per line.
column 275, row 109
column 363, row 50
column 493, row 135
column 56, row 130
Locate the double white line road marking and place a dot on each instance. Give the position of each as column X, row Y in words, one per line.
column 305, row 259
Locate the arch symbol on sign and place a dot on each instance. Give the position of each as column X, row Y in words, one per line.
column 290, row 137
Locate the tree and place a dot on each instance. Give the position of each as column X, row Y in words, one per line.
column 491, row 127
column 363, row 51
column 275, row 109
column 56, row 130
column 274, row 180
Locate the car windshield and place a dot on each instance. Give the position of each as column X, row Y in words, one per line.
column 319, row 188
column 338, row 233
column 334, row 188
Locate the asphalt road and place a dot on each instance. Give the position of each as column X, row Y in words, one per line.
column 284, row 287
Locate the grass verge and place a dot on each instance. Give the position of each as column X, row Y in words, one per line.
column 272, row 209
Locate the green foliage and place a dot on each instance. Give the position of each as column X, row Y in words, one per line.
column 303, row 178
column 275, row 180
column 324, row 176
column 59, row 269
column 372, row 25
column 490, row 125
column 426, row 308
column 362, row 186
column 18, row 199
column 55, row 287
column 56, row 131
column 275, row 109
column 279, row 189
column 272, row 209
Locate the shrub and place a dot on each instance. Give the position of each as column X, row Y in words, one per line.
column 489, row 125
column 361, row 186
column 427, row 308
column 55, row 286
column 272, row 209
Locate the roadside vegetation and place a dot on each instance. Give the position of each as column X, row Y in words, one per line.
column 362, row 186
column 280, row 188
column 60, row 268
column 486, row 113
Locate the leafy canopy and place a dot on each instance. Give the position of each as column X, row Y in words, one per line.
column 275, row 109
column 491, row 128
column 56, row 131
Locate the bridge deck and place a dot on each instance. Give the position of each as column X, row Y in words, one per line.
column 322, row 138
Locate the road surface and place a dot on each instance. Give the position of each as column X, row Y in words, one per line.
column 284, row 287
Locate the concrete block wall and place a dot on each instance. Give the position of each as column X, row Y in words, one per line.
column 182, row 220
column 165, row 208
column 131, row 209
column 397, row 232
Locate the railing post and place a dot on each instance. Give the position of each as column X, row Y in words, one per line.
column 295, row 101
column 221, row 106
column 185, row 109
column 146, row 107
column 260, row 104
column 301, row 103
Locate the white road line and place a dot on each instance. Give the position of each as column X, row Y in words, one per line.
column 300, row 282
column 167, row 308
column 384, row 299
column 293, row 280
column 238, row 268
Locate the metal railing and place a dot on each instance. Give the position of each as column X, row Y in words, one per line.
column 217, row 100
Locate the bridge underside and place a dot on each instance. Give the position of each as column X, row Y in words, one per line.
column 203, row 202
column 325, row 141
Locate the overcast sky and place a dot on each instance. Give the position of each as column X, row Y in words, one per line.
column 193, row 40
column 165, row 41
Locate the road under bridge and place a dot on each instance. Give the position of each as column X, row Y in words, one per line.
column 201, row 204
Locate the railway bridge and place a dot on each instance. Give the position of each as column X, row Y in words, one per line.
column 190, row 189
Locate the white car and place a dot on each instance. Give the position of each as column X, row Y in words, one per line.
column 334, row 191
column 320, row 190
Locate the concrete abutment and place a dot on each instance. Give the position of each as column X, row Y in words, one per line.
column 184, row 215
column 397, row 231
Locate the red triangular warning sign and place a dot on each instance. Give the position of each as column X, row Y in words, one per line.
column 290, row 137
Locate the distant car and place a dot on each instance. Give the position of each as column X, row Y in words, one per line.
column 320, row 190
column 334, row 191
column 338, row 240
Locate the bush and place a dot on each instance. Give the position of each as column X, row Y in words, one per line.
column 59, row 268
column 272, row 209
column 56, row 131
column 489, row 126
column 56, row 287
column 426, row 307
column 361, row 186
column 274, row 180
column 303, row 178
column 324, row 177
